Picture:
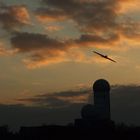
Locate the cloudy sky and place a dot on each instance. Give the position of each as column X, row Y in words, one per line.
column 46, row 49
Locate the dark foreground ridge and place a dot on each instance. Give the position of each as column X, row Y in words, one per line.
column 53, row 132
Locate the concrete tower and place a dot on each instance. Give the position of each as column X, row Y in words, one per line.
column 101, row 90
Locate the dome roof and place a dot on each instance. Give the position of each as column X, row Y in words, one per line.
column 88, row 111
column 101, row 85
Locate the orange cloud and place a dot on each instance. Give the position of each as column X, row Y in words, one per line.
column 99, row 23
column 2, row 50
column 52, row 28
column 47, row 18
column 77, row 99
column 13, row 16
column 21, row 13
column 58, row 99
column 31, row 64
column 43, row 50
column 129, row 6
column 6, row 52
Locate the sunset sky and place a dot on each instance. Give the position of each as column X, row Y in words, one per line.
column 47, row 64
column 46, row 46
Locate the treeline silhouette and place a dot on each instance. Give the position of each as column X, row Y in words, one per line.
column 70, row 132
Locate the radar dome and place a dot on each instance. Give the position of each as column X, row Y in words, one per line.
column 88, row 111
column 101, row 85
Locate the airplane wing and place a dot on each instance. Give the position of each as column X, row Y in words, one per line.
column 98, row 53
column 111, row 59
column 104, row 56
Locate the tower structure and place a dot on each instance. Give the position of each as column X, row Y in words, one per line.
column 101, row 91
column 97, row 114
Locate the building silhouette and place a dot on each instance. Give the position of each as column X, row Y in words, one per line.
column 97, row 114
column 101, row 89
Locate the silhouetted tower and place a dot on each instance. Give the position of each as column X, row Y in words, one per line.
column 97, row 115
column 101, row 89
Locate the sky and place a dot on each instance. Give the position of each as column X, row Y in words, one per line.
column 46, row 49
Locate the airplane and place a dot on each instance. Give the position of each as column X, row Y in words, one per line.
column 104, row 56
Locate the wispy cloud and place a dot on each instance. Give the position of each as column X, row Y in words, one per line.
column 121, row 95
column 58, row 99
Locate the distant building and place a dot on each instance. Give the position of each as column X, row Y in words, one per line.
column 99, row 112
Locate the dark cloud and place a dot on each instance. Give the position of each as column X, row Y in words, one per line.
column 125, row 104
column 125, row 96
column 47, row 15
column 89, row 15
column 41, row 49
column 130, row 95
column 50, row 101
column 30, row 42
column 97, row 21
column 96, row 39
column 70, row 93
column 12, row 17
column 125, row 107
column 59, row 99
column 97, row 17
